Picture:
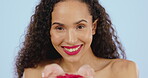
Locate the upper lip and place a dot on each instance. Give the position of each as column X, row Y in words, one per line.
column 71, row 47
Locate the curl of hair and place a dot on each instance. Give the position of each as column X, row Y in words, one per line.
column 37, row 46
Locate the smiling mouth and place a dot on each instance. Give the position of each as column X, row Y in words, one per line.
column 72, row 50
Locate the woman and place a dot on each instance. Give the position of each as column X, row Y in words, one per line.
column 70, row 34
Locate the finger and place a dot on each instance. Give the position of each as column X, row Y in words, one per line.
column 86, row 71
column 52, row 70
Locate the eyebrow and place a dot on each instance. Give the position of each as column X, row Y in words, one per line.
column 74, row 23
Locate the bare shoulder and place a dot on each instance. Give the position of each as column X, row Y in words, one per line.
column 36, row 72
column 124, row 68
column 32, row 72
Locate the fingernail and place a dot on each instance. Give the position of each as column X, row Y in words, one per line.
column 43, row 75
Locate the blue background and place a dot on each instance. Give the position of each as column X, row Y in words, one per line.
column 129, row 17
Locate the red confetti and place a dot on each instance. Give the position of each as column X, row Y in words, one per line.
column 70, row 76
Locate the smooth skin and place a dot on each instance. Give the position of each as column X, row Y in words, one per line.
column 72, row 25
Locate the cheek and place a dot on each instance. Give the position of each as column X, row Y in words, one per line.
column 55, row 38
column 86, row 36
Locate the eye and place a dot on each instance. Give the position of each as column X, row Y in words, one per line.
column 59, row 28
column 80, row 26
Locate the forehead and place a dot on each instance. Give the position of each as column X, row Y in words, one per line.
column 73, row 10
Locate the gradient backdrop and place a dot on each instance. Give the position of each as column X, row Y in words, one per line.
column 130, row 17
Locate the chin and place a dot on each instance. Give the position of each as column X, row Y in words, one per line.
column 73, row 59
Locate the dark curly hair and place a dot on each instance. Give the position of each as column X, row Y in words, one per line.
column 37, row 46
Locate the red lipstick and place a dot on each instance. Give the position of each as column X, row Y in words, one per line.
column 72, row 50
column 70, row 47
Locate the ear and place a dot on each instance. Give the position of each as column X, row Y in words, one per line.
column 94, row 26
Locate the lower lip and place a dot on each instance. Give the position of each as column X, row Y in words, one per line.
column 74, row 52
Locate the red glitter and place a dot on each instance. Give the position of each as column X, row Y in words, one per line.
column 70, row 76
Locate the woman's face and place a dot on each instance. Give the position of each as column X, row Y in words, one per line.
column 72, row 29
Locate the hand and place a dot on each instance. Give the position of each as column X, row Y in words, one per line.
column 86, row 71
column 54, row 70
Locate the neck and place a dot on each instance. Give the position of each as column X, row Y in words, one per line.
column 72, row 67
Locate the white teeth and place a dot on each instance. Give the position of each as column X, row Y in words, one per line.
column 71, row 50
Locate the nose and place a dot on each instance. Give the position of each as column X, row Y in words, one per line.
column 71, row 37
